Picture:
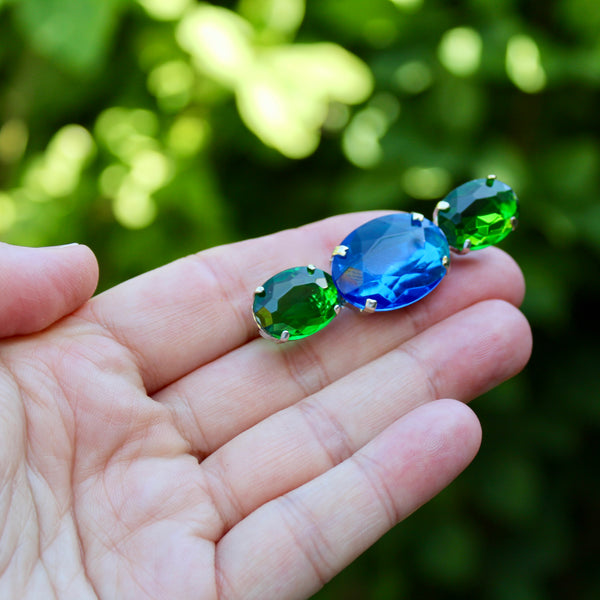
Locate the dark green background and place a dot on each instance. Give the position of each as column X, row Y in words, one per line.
column 523, row 522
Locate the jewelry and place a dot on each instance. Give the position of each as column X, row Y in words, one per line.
column 386, row 263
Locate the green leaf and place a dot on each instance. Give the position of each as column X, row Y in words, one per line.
column 74, row 34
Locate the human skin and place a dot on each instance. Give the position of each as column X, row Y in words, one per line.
column 153, row 446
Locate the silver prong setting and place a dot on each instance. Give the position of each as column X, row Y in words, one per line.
column 465, row 249
column 340, row 251
column 445, row 261
column 322, row 283
column 370, row 306
column 442, row 205
column 416, row 218
column 260, row 290
column 337, row 309
column 514, row 223
column 489, row 180
column 266, row 335
column 285, row 336
column 311, row 269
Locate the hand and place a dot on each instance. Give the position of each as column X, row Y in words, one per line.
column 152, row 446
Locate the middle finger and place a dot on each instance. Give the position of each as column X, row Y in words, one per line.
column 217, row 402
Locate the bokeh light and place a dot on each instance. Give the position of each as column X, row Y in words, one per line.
column 523, row 64
column 460, row 51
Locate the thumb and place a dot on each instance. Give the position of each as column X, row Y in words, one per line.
column 38, row 286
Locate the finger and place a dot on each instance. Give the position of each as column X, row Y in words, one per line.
column 41, row 285
column 212, row 405
column 181, row 316
column 291, row 546
column 461, row 357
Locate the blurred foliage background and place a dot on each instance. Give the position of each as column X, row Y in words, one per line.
column 150, row 129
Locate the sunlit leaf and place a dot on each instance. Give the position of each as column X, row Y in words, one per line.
column 278, row 115
column 285, row 98
column 323, row 69
column 219, row 41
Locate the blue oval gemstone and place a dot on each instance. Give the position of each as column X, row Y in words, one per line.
column 393, row 260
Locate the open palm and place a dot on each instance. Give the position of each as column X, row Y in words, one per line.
column 151, row 446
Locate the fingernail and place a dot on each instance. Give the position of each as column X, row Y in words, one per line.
column 67, row 245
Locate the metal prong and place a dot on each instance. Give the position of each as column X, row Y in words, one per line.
column 311, row 269
column 416, row 217
column 441, row 205
column 285, row 336
column 370, row 306
column 266, row 335
column 445, row 261
column 338, row 309
column 260, row 290
column 340, row 251
column 514, row 222
column 465, row 249
column 490, row 180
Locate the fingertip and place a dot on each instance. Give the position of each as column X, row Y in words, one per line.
column 428, row 447
column 515, row 276
column 454, row 433
column 82, row 262
column 462, row 424
column 491, row 342
column 524, row 335
column 42, row 285
column 514, row 331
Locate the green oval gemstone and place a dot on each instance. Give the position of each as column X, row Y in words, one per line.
column 300, row 301
column 482, row 212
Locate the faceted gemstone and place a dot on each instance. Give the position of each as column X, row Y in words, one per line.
column 393, row 260
column 483, row 212
column 300, row 301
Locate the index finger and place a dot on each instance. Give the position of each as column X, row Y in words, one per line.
column 188, row 313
